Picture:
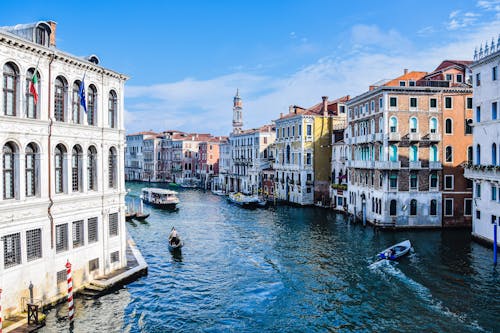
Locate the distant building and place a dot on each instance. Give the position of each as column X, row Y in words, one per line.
column 484, row 166
column 208, row 161
column 62, row 180
column 338, row 191
column 134, row 158
column 408, row 138
column 303, row 151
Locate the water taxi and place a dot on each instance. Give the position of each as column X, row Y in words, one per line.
column 159, row 197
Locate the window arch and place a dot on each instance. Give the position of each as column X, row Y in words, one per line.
column 413, row 125
column 91, row 105
column 433, row 208
column 413, row 153
column 92, row 168
column 433, row 153
column 448, row 126
column 31, row 99
column 494, row 154
column 10, row 89
column 76, row 169
column 9, row 170
column 60, row 98
column 413, row 207
column 31, row 170
column 393, row 124
column 76, row 108
column 288, row 154
column 112, row 168
column 392, row 208
column 449, row 154
column 112, row 106
column 59, row 157
column 478, row 154
column 433, row 125
column 393, row 153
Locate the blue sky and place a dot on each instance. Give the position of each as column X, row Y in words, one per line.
column 186, row 58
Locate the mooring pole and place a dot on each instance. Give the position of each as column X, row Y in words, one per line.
column 495, row 244
column 71, row 308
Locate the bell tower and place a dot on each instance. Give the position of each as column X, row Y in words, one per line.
column 237, row 113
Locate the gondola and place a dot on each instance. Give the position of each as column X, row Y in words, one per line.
column 175, row 242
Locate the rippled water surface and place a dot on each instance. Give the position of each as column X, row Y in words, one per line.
column 292, row 269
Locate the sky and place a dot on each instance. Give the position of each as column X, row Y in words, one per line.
column 186, row 58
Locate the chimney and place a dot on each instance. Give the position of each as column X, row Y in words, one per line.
column 290, row 109
column 405, row 71
column 325, row 105
column 53, row 33
column 281, row 114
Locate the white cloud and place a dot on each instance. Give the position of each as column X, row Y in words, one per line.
column 370, row 35
column 459, row 21
column 425, row 31
column 206, row 105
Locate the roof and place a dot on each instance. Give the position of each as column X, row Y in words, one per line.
column 142, row 133
column 410, row 76
column 157, row 190
column 317, row 109
column 450, row 63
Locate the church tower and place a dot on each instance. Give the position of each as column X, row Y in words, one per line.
column 237, row 113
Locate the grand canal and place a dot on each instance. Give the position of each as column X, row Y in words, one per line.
column 287, row 269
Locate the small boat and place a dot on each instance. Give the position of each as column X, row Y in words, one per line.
column 141, row 215
column 160, row 198
column 174, row 240
column 396, row 251
column 242, row 200
column 129, row 213
column 218, row 192
column 262, row 203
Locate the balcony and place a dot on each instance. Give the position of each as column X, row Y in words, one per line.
column 435, row 165
column 414, row 136
column 358, row 164
column 485, row 172
column 435, row 137
column 415, row 165
column 433, row 83
column 378, row 137
column 388, row 165
column 394, row 136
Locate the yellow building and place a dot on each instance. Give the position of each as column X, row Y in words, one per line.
column 303, row 152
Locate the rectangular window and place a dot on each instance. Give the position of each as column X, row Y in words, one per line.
column 300, row 129
column 478, row 114
column 308, row 158
column 372, row 104
column 469, row 102
column 494, row 73
column 448, row 182
column 459, row 78
column 413, row 181
column 493, row 193
column 448, row 207
column 115, row 256
column 413, row 102
column 393, row 181
column 92, row 230
column 449, row 77
column 309, row 130
column 62, row 276
column 61, row 237
column 393, row 102
column 411, row 83
column 433, row 208
column 478, row 214
column 380, row 103
column 11, row 250
column 402, row 83
column 434, row 181
column 93, row 264
column 113, row 224
column 433, row 103
column 478, row 79
column 77, row 231
column 448, row 103
column 478, row 190
column 34, row 244
column 467, row 207
column 494, row 110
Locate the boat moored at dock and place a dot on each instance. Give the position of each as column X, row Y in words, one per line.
column 245, row 201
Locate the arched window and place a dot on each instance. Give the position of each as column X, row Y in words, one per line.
column 380, row 124
column 9, row 170
column 76, row 166
column 112, row 168
column 288, row 154
column 75, row 103
column 393, row 124
column 10, row 75
column 470, row 154
column 393, row 152
column 112, row 105
column 372, row 129
column 478, row 155
column 433, row 208
column 433, row 125
column 449, row 154
column 494, row 154
column 32, row 96
column 91, row 168
column 31, row 170
column 392, row 208
column 448, row 126
column 59, row 155
column 91, row 105
column 413, row 153
column 60, row 99
column 433, row 153
column 413, row 125
column 413, row 207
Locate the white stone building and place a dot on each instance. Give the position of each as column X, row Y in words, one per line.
column 134, row 158
column 62, row 184
column 485, row 167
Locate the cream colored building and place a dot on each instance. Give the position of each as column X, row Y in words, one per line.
column 62, row 184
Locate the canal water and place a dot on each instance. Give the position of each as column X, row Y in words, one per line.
column 289, row 269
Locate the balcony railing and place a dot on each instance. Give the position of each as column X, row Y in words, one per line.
column 378, row 137
column 433, row 83
column 486, row 172
column 414, row 136
column 435, row 165
column 388, row 165
column 434, row 137
column 394, row 136
column 415, row 165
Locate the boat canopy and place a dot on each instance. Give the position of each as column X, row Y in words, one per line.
column 159, row 191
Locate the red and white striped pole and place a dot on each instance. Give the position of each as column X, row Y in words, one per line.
column 71, row 307
column 1, row 323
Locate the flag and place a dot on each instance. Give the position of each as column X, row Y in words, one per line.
column 81, row 93
column 33, row 83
